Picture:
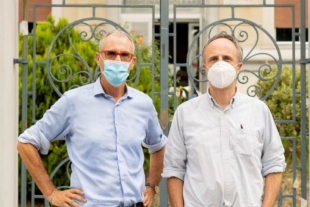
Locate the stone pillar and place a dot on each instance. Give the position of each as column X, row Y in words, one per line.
column 8, row 103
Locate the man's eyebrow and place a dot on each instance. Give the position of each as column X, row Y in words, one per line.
column 227, row 56
column 213, row 57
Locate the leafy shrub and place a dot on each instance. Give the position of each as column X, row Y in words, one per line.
column 280, row 103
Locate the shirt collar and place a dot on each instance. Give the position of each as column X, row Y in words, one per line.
column 99, row 90
column 212, row 101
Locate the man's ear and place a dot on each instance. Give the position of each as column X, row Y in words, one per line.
column 132, row 63
column 205, row 68
column 239, row 66
column 97, row 57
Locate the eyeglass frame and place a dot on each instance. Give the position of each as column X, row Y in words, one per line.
column 117, row 54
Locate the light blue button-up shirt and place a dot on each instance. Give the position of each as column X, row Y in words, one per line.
column 223, row 155
column 103, row 140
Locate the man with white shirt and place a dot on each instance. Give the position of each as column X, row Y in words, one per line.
column 223, row 145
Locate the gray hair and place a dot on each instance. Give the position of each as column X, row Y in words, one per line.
column 226, row 36
column 116, row 32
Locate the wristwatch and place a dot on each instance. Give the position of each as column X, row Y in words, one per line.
column 155, row 187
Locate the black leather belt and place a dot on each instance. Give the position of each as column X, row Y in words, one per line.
column 140, row 204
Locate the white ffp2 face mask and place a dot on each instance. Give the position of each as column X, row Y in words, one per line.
column 222, row 74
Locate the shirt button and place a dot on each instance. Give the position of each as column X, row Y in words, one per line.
column 227, row 184
column 120, row 160
column 116, row 123
column 118, row 142
column 123, row 178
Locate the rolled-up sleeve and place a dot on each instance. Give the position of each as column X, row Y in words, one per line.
column 155, row 139
column 34, row 136
column 273, row 159
column 54, row 124
column 175, row 153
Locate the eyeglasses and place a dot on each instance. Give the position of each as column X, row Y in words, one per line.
column 111, row 55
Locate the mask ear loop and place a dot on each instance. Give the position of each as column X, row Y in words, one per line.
column 236, row 64
column 101, row 56
column 205, row 66
column 101, row 69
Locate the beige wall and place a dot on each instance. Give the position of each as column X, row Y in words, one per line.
column 78, row 13
column 75, row 13
column 257, row 15
column 8, row 103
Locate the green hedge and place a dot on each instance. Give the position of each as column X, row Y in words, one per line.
column 280, row 103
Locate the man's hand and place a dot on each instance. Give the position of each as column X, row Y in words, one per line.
column 67, row 198
column 149, row 194
column 156, row 168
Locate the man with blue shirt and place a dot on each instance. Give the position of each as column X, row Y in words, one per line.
column 104, row 124
column 223, row 148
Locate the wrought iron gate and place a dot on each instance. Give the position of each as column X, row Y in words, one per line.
column 211, row 19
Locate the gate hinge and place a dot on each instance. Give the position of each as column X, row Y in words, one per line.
column 22, row 61
column 304, row 61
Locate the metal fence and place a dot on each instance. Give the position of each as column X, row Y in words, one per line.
column 165, row 19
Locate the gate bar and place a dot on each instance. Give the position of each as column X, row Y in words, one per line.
column 23, row 194
column 303, row 103
column 164, row 44
column 309, row 90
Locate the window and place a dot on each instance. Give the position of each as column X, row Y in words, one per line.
column 285, row 34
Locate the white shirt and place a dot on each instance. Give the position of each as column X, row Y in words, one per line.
column 223, row 155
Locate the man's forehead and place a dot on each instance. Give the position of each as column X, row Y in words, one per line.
column 116, row 35
column 117, row 40
column 222, row 42
column 219, row 55
column 221, row 45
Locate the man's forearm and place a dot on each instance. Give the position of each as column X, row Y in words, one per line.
column 156, row 166
column 271, row 190
column 33, row 162
column 175, row 191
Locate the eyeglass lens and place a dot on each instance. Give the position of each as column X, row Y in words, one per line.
column 125, row 56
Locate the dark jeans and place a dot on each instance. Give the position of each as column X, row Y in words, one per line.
column 140, row 204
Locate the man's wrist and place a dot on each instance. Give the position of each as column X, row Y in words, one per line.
column 155, row 188
column 52, row 196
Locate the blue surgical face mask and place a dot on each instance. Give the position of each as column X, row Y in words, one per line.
column 116, row 72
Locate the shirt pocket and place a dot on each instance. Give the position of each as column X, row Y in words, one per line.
column 244, row 142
